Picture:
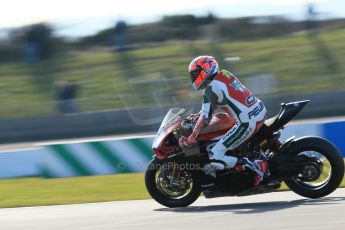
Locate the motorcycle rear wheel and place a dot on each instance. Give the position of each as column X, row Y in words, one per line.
column 323, row 156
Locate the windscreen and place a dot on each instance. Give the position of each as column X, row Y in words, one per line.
column 173, row 116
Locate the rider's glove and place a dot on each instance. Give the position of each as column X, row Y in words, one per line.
column 187, row 141
column 193, row 117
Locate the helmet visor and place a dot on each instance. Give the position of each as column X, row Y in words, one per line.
column 196, row 77
column 195, row 73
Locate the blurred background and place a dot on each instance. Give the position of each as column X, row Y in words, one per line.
column 97, row 68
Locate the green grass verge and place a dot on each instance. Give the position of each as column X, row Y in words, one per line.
column 37, row 191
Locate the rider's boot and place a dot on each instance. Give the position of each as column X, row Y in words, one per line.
column 260, row 168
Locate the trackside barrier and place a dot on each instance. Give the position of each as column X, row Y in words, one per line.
column 20, row 163
column 98, row 157
column 120, row 156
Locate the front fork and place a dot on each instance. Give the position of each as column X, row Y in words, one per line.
column 175, row 176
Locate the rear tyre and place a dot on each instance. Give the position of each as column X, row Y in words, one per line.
column 158, row 184
column 323, row 172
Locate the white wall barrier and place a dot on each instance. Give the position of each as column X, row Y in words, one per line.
column 20, row 163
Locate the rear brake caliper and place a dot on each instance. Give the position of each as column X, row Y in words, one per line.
column 309, row 168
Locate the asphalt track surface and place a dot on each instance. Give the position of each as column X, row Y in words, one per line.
column 278, row 211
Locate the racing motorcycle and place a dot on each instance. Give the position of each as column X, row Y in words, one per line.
column 310, row 166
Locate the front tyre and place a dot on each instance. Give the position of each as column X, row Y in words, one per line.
column 321, row 167
column 170, row 185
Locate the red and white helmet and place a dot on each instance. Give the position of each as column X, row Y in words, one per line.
column 201, row 70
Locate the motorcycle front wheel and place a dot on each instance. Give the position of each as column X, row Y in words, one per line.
column 171, row 185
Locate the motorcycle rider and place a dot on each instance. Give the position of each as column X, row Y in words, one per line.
column 221, row 89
